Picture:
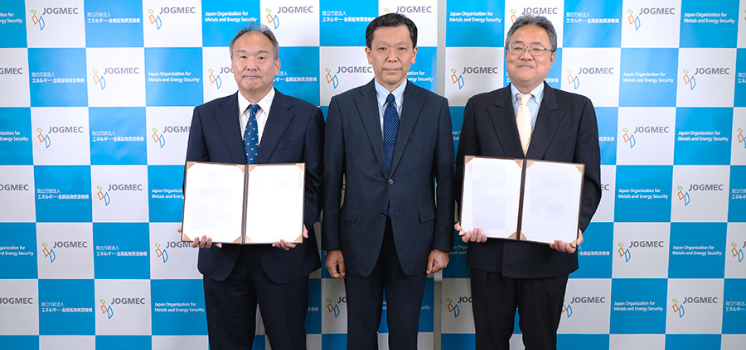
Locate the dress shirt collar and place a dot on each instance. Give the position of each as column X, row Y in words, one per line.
column 382, row 93
column 538, row 93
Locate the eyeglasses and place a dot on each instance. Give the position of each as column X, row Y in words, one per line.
column 534, row 51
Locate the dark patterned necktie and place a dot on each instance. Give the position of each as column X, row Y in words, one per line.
column 251, row 136
column 390, row 130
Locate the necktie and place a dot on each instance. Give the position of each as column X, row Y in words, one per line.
column 251, row 136
column 390, row 130
column 524, row 122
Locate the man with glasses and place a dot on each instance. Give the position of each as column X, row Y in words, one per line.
column 527, row 119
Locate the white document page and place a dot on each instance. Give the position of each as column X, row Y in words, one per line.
column 551, row 203
column 275, row 205
column 213, row 202
column 491, row 196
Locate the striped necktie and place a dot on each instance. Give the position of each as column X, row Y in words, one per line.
column 524, row 122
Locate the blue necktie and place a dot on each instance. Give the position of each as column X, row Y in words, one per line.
column 251, row 136
column 390, row 130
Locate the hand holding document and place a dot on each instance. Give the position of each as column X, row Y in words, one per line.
column 522, row 199
column 244, row 204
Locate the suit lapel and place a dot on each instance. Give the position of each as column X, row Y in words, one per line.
column 277, row 122
column 503, row 120
column 367, row 106
column 547, row 120
column 230, row 129
column 410, row 112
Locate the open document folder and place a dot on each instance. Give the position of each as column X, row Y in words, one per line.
column 522, row 199
column 242, row 204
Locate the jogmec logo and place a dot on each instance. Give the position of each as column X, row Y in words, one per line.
column 683, row 196
column 48, row 253
column 453, row 308
column 678, row 309
column 737, row 252
column 740, row 137
column 43, row 138
column 331, row 79
column 633, row 20
column 566, row 309
column 513, row 17
column 158, row 139
column 37, row 20
column 155, row 19
column 628, row 138
column 691, row 81
column 106, row 310
column 161, row 253
column 624, row 252
column 457, row 79
column 215, row 79
column 573, row 80
column 272, row 19
column 332, row 308
column 100, row 81
column 103, row 196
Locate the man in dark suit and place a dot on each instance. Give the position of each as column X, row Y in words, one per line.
column 557, row 126
column 392, row 229
column 284, row 130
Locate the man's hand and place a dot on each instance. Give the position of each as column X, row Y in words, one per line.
column 472, row 236
column 203, row 242
column 287, row 245
column 436, row 261
column 335, row 263
column 567, row 247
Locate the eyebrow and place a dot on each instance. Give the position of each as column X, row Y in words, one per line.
column 535, row 42
column 257, row 52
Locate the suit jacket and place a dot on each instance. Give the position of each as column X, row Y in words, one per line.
column 423, row 153
column 294, row 133
column 565, row 131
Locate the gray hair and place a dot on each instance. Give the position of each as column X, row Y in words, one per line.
column 258, row 28
column 539, row 21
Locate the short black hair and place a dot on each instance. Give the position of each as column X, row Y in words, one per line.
column 539, row 21
column 259, row 28
column 392, row 19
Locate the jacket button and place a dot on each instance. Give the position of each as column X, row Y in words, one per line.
column 391, row 181
column 383, row 213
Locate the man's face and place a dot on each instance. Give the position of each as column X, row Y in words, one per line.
column 526, row 72
column 254, row 65
column 391, row 53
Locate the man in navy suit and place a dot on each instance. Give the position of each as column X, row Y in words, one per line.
column 288, row 130
column 559, row 126
column 390, row 140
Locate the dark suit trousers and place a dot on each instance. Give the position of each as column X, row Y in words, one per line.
column 403, row 302
column 495, row 299
column 231, row 307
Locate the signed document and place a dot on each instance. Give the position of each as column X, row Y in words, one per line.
column 522, row 199
column 244, row 204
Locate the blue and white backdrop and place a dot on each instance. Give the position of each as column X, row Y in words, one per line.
column 95, row 108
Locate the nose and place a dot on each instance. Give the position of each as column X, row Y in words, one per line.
column 526, row 55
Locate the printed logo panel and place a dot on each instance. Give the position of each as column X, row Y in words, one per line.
column 19, row 250
column 120, row 193
column 640, row 250
column 343, row 23
column 170, row 258
column 702, row 136
column 734, row 310
column 650, row 23
column 700, row 194
column 51, row 23
column 706, row 77
column 167, row 134
column 648, row 77
column 424, row 14
column 14, row 72
column 63, row 193
column 66, row 308
column 17, row 194
column 333, row 306
column 645, row 136
column 114, row 73
column 298, row 73
column 592, row 24
column 165, row 197
column 735, row 249
column 60, row 136
column 709, row 23
column 13, row 24
column 221, row 19
column 593, row 73
column 182, row 342
column 119, row 302
column 173, row 76
column 217, row 73
column 169, row 23
column 19, row 307
column 596, row 254
column 121, row 250
column 737, row 199
column 552, row 10
column 341, row 69
column 690, row 302
column 294, row 22
column 64, row 250
column 638, row 306
column 16, row 137
column 605, row 210
column 57, row 77
column 586, row 307
column 738, row 138
column 637, row 341
column 643, row 194
column 471, row 71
